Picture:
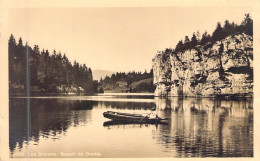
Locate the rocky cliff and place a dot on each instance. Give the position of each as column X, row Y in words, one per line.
column 223, row 68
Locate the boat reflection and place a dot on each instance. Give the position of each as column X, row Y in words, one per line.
column 117, row 123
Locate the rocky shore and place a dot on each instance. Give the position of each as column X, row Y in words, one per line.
column 224, row 68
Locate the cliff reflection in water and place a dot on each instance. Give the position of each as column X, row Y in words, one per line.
column 207, row 127
column 48, row 118
column 198, row 127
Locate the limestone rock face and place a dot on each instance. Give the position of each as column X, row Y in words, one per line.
column 224, row 68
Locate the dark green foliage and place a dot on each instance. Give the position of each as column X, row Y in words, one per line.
column 194, row 40
column 218, row 34
column 165, row 56
column 144, row 87
column 20, row 44
column 229, row 28
column 47, row 71
column 247, row 25
column 168, row 50
column 12, row 41
column 179, row 46
column 100, row 90
column 129, row 77
column 187, row 41
column 205, row 38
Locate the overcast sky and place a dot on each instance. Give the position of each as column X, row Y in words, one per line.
column 115, row 39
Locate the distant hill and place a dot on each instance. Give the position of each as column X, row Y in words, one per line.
column 144, row 85
column 97, row 74
column 128, row 82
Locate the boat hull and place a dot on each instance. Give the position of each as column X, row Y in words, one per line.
column 117, row 116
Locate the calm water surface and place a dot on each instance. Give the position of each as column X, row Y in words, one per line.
column 74, row 126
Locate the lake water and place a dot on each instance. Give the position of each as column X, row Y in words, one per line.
column 74, row 126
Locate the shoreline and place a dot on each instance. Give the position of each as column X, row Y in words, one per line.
column 220, row 97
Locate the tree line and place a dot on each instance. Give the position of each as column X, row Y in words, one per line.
column 112, row 82
column 206, row 39
column 47, row 70
column 129, row 77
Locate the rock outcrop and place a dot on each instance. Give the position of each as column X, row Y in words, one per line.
column 224, row 68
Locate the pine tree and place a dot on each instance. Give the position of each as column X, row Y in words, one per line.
column 11, row 41
column 187, row 40
column 179, row 46
column 36, row 50
column 20, row 42
column 205, row 38
column 186, row 43
column 194, row 40
column 151, row 73
column 247, row 24
column 218, row 33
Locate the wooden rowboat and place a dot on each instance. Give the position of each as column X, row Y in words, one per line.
column 119, row 116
